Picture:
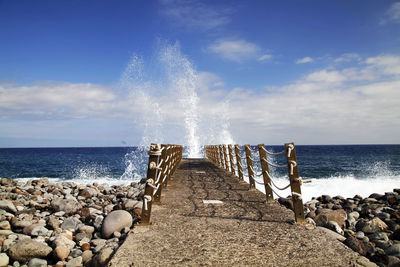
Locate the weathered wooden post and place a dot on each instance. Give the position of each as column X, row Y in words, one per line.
column 225, row 158
column 160, row 175
column 239, row 162
column 154, row 154
column 249, row 162
column 295, row 182
column 232, row 162
column 265, row 172
column 221, row 157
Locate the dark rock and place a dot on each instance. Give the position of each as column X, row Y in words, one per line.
column 376, row 196
column 393, row 250
column 288, row 203
column 356, row 245
column 325, row 216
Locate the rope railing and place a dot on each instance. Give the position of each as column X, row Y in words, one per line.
column 163, row 161
column 218, row 155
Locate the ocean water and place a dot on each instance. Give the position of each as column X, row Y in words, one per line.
column 343, row 170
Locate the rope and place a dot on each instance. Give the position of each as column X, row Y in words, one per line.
column 257, row 182
column 273, row 153
column 146, row 199
column 274, row 191
column 273, row 164
column 272, row 181
column 155, row 191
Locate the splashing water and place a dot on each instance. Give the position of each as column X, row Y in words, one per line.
column 163, row 96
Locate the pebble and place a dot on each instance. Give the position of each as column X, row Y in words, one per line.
column 63, row 216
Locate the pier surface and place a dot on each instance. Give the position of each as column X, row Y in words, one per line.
column 243, row 230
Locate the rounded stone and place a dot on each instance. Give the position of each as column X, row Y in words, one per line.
column 37, row 263
column 115, row 222
column 4, row 259
column 61, row 252
column 27, row 249
column 87, row 255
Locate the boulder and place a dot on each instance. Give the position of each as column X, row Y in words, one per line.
column 27, row 249
column 326, row 215
column 373, row 226
column 115, row 222
column 68, row 205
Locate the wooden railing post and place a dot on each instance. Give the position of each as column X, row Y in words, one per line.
column 295, row 182
column 232, row 162
column 225, row 158
column 154, row 155
column 221, row 157
column 249, row 162
column 265, row 172
column 239, row 162
column 160, row 173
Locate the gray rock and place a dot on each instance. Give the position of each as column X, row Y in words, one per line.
column 360, row 235
column 71, row 223
column 82, row 236
column 104, row 256
column 68, row 205
column 96, row 242
column 332, row 233
column 87, row 255
column 8, row 206
column 4, row 259
column 76, row 252
column 27, row 249
column 115, row 222
column 393, row 250
column 39, row 231
column 61, row 240
column 37, row 263
column 75, row 262
column 86, row 229
column 98, row 221
column 373, row 226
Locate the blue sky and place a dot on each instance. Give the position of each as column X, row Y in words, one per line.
column 313, row 72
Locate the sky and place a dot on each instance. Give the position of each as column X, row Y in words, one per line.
column 114, row 73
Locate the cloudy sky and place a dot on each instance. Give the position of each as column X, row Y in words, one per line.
column 312, row 72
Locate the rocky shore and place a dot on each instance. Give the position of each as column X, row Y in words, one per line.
column 369, row 226
column 64, row 224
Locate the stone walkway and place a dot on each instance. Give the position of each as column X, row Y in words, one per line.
column 241, row 231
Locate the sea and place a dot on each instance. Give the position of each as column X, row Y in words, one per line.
column 345, row 170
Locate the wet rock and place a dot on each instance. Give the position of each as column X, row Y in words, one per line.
column 27, row 249
column 68, row 205
column 115, row 222
column 35, row 262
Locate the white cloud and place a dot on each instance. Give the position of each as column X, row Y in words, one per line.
column 393, row 14
column 265, row 57
column 326, row 76
column 304, row 60
column 348, row 57
column 195, row 14
column 235, row 50
column 385, row 64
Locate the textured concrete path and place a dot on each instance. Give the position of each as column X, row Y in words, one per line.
column 242, row 231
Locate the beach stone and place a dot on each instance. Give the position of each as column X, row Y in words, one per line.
column 71, row 223
column 4, row 259
column 396, row 235
column 35, row 262
column 39, row 231
column 27, row 249
column 82, row 236
column 334, row 226
column 53, row 222
column 360, row 235
column 356, row 245
column 5, row 225
column 7, row 206
column 98, row 221
column 288, row 203
column 393, row 250
column 364, row 262
column 7, row 244
column 62, row 240
column 87, row 229
column 85, row 246
column 380, row 239
column 68, row 205
column 87, row 255
column 97, row 242
column 115, row 222
column 393, row 261
column 332, row 233
column 88, row 192
column 75, row 262
column 102, row 258
column 61, row 252
column 76, row 252
column 326, row 215
column 373, row 226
